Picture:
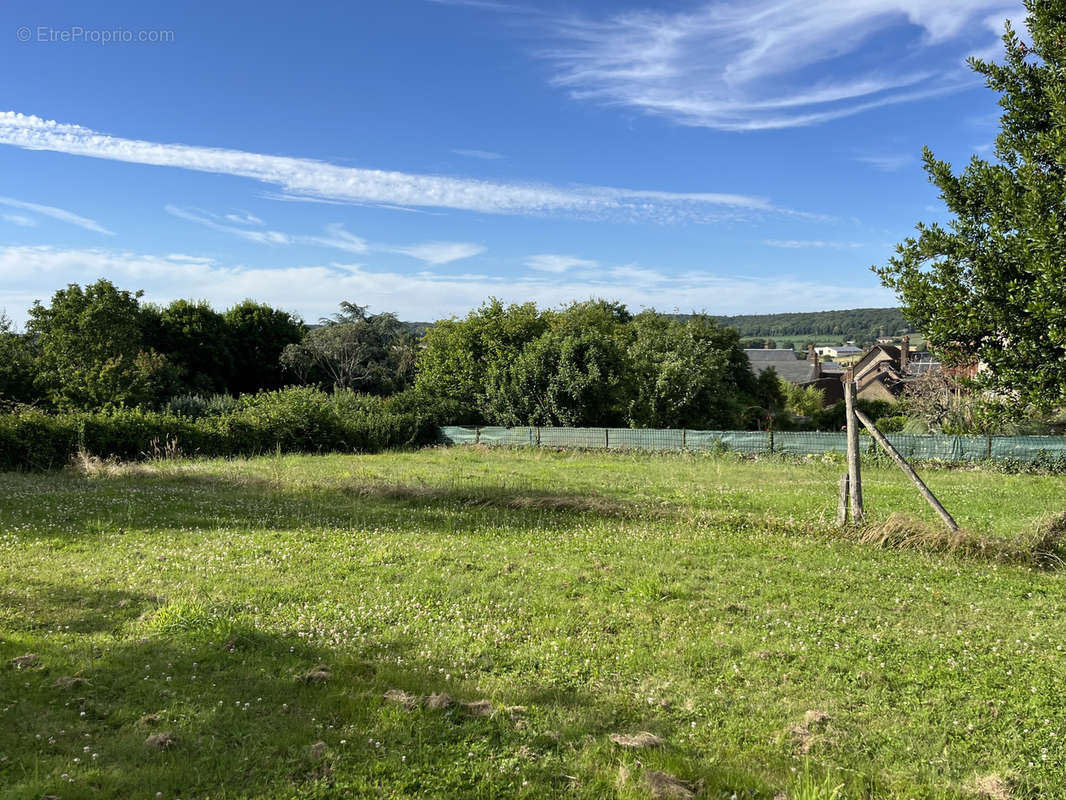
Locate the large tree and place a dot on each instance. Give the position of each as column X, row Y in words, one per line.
column 372, row 353
column 92, row 352
column 989, row 287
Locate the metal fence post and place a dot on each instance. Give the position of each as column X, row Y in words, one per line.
column 477, row 435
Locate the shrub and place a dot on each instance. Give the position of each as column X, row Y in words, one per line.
column 298, row 419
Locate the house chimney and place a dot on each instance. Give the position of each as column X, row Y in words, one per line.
column 812, row 356
column 904, row 353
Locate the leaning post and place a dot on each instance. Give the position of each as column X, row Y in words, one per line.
column 854, row 476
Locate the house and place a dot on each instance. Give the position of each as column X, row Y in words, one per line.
column 812, row 371
column 884, row 370
column 785, row 364
column 839, row 351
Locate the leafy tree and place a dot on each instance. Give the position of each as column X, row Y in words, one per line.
column 193, row 336
column 989, row 286
column 803, row 401
column 571, row 379
column 372, row 353
column 257, row 335
column 686, row 374
column 16, row 365
column 457, row 355
column 92, row 352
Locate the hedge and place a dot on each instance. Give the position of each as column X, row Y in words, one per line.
column 296, row 420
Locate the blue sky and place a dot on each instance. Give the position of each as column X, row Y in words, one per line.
column 733, row 156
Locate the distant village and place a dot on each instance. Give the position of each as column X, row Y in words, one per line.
column 882, row 372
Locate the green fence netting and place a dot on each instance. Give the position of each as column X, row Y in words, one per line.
column 928, row 446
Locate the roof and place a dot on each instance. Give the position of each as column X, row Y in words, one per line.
column 844, row 350
column 784, row 362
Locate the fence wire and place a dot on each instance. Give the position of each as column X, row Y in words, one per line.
column 918, row 446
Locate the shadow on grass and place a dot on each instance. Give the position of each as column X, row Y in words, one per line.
column 207, row 706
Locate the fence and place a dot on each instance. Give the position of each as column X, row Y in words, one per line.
column 947, row 448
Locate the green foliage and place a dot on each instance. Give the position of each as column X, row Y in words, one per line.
column 588, row 363
column 989, row 286
column 92, row 352
column 258, row 334
column 298, row 419
column 860, row 324
column 833, row 418
column 803, row 401
column 16, row 366
column 568, row 379
column 372, row 353
column 195, row 338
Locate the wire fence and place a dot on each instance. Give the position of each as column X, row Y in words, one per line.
column 918, row 446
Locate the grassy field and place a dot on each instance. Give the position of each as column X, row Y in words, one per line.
column 289, row 626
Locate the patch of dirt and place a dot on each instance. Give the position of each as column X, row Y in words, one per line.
column 637, row 741
column 70, row 682
column 317, row 751
column 664, row 786
column 991, row 787
column 439, row 702
column 479, row 708
column 148, row 719
column 26, row 661
column 161, row 741
column 804, row 733
column 317, row 674
column 408, row 701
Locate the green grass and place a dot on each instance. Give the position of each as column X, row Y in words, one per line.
column 708, row 601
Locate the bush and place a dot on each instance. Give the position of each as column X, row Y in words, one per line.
column 296, row 420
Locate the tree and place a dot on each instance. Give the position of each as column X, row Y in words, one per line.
column 457, row 355
column 16, row 366
column 257, row 336
column 373, row 353
column 193, row 337
column 571, row 379
column 92, row 352
column 686, row 374
column 989, row 287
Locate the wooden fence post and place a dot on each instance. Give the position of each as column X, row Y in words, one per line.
column 606, row 439
column 854, row 476
column 908, row 470
column 477, row 435
column 842, row 501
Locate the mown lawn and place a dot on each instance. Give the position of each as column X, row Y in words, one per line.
column 252, row 615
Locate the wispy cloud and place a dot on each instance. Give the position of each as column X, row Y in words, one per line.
column 550, row 262
column 56, row 213
column 307, row 178
column 244, row 218
column 440, row 252
column 335, row 236
column 28, row 273
column 19, row 219
column 484, row 155
column 764, row 64
column 888, row 163
column 794, row 244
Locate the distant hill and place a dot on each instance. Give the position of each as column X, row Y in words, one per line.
column 864, row 325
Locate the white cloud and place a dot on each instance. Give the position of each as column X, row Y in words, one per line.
column 440, row 252
column 307, row 178
column 800, row 243
column 335, row 236
column 484, row 155
column 20, row 220
column 764, row 64
column 244, row 218
column 888, row 163
column 56, row 213
column 550, row 262
column 29, row 273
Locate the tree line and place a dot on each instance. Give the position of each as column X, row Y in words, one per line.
column 99, row 347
